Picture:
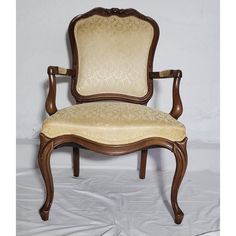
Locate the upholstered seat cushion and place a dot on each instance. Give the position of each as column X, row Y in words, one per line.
column 113, row 123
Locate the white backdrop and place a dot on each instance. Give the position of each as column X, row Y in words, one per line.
column 189, row 40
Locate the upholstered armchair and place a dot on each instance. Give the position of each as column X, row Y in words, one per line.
column 112, row 81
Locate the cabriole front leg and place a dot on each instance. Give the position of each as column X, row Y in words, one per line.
column 46, row 147
column 181, row 157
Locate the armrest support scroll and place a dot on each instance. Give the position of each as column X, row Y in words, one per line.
column 177, row 107
column 52, row 71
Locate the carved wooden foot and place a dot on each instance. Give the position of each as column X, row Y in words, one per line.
column 143, row 162
column 76, row 164
column 181, row 157
column 46, row 147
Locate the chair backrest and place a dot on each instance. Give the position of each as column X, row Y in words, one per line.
column 113, row 52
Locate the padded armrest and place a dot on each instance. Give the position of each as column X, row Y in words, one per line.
column 166, row 74
column 50, row 105
column 177, row 107
column 56, row 70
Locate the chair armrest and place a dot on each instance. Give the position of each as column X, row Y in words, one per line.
column 56, row 70
column 50, row 105
column 177, row 107
column 166, row 74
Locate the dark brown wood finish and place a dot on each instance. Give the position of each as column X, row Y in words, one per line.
column 181, row 158
column 178, row 148
column 47, row 145
column 143, row 163
column 50, row 105
column 177, row 107
column 45, row 149
column 76, row 161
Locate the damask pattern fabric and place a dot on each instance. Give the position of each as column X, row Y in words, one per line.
column 113, row 123
column 113, row 54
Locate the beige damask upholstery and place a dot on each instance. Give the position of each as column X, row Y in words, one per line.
column 113, row 53
column 113, row 123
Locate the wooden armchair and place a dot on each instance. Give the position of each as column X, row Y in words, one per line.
column 112, row 81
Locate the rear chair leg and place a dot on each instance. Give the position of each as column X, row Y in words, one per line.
column 143, row 163
column 181, row 157
column 76, row 162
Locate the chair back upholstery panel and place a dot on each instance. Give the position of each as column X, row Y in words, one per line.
column 114, row 54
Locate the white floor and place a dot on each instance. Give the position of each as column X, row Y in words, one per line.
column 117, row 203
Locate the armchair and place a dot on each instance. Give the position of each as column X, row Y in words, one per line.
column 112, row 81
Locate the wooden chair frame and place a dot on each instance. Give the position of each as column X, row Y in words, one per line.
column 47, row 145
